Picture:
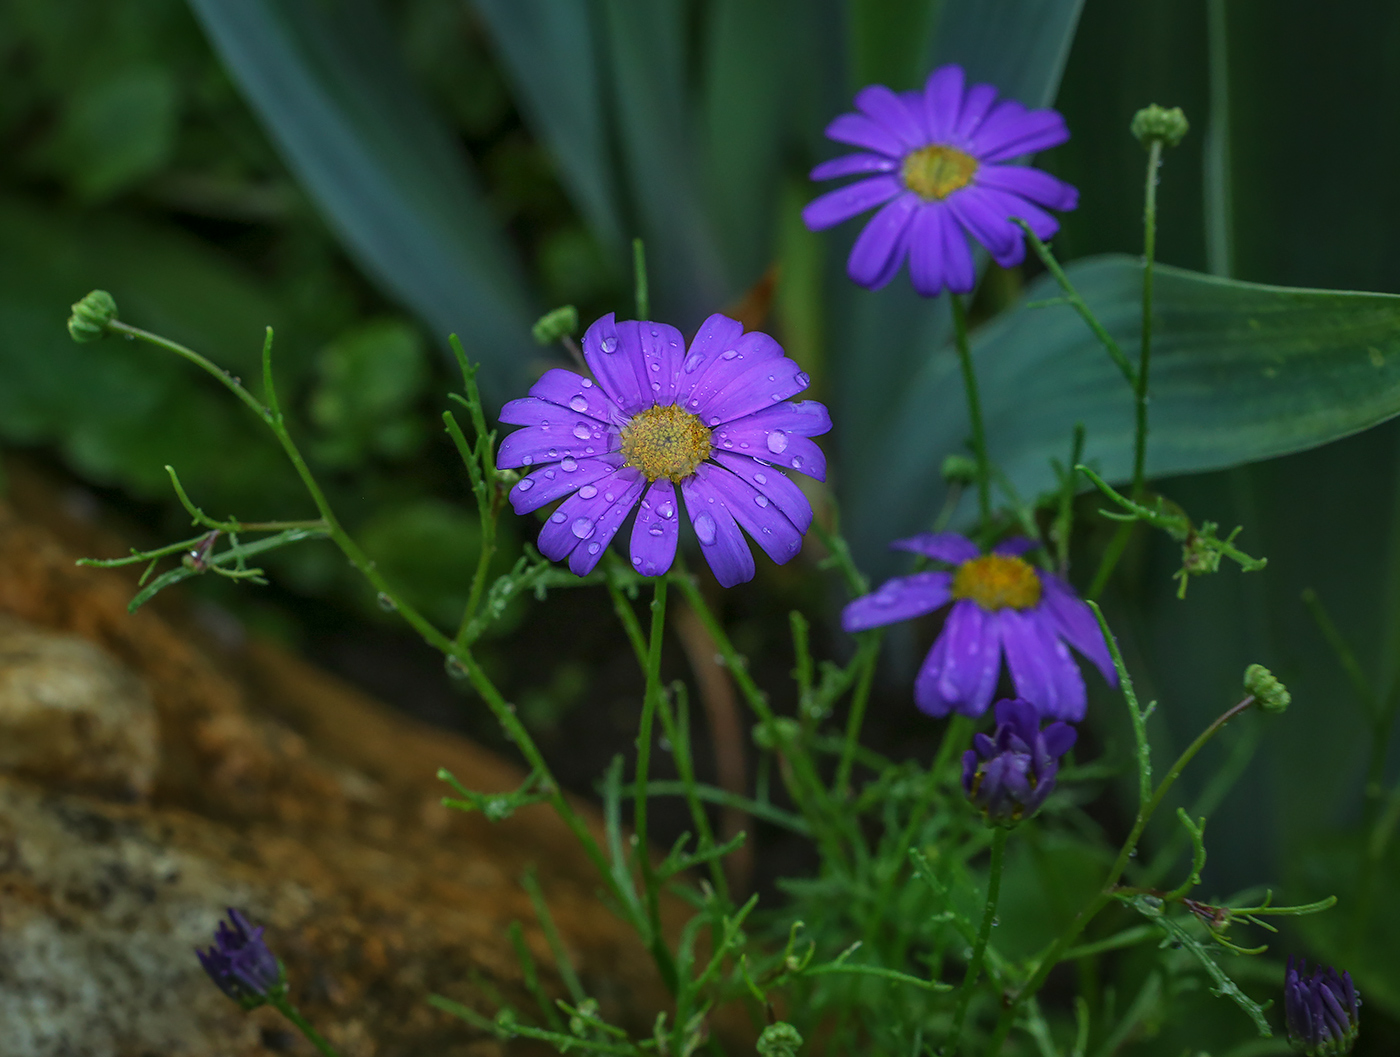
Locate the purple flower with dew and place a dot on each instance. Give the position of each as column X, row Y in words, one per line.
column 1001, row 603
column 714, row 422
column 936, row 163
column 1009, row 774
column 240, row 962
column 1322, row 1011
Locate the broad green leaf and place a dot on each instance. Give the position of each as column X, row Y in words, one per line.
column 387, row 175
column 1240, row 372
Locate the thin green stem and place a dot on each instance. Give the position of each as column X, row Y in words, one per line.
column 650, row 885
column 677, row 729
column 1149, row 253
column 869, row 651
column 639, row 272
column 304, row 1026
column 225, row 379
column 979, row 948
column 974, row 409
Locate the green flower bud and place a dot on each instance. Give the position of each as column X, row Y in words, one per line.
column 785, row 732
column 959, row 469
column 1271, row 694
column 91, row 316
column 779, row 1040
column 1157, row 124
column 552, row 326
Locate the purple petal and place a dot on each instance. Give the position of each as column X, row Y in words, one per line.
column 717, row 335
column 763, row 385
column 902, row 598
column 578, row 517
column 978, row 101
column 656, row 530
column 943, row 99
column 854, row 164
column 773, row 483
column 721, row 542
column 1076, row 624
column 969, row 770
column 1021, row 717
column 926, row 249
column 662, row 353
column 880, row 248
column 575, row 392
column 756, row 514
column 927, row 695
column 1009, row 205
column 884, row 107
column 611, row 353
column 843, row 203
column 1015, row 546
column 983, row 222
column 944, row 546
column 959, row 271
column 806, row 418
column 973, row 661
column 1011, row 131
column 724, row 368
column 536, row 444
column 859, row 131
column 1031, row 184
column 559, row 479
column 752, row 436
column 1059, row 738
column 1041, row 668
column 590, row 550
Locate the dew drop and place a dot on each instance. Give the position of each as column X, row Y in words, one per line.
column 609, row 345
column 578, row 402
column 588, row 383
column 729, row 444
column 587, row 492
column 593, row 548
column 667, row 510
column 705, row 529
column 549, row 474
column 608, row 496
column 761, row 478
column 582, row 527
column 694, row 360
column 656, row 387
column 557, row 517
column 761, row 500
column 656, row 530
column 655, row 366
column 636, row 561
column 777, row 441
column 653, row 332
column 729, row 354
column 588, row 451
column 568, row 464
column 803, row 379
column 797, row 462
column 772, row 377
column 581, row 431
column 525, row 485
column 715, row 420
column 527, row 460
column 554, row 453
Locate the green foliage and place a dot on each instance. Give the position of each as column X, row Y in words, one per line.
column 369, row 383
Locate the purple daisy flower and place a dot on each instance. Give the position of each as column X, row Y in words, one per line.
column 1321, row 1009
column 1009, row 774
column 715, row 420
column 1001, row 602
column 936, row 163
column 240, row 962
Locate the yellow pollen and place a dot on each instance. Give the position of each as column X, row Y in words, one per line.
column 665, row 442
column 997, row 581
column 937, row 171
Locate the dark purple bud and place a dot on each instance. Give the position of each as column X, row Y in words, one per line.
column 1321, row 1010
column 240, row 962
column 1009, row 774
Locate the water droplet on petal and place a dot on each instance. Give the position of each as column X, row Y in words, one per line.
column 636, row 560
column 578, row 402
column 587, row 492
column 549, row 474
column 582, row 527
column 593, row 548
column 557, row 517
column 705, row 529
column 694, row 360
column 588, row 383
column 667, row 510
column 568, row 464
column 655, row 366
column 803, row 379
column 777, row 441
column 761, row 500
column 609, row 345
column 525, row 485
column 581, row 431
column 527, row 460
column 608, row 496
column 715, row 420
column 761, row 478
column 729, row 354
column 797, row 462
column 554, row 453
column 656, row 387
column 656, row 530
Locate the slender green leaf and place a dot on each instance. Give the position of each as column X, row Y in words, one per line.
column 385, row 173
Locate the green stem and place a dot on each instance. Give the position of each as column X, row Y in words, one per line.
column 304, row 1026
column 974, row 409
column 677, row 730
column 639, row 272
column 979, row 949
column 870, row 651
column 1149, row 253
column 650, row 886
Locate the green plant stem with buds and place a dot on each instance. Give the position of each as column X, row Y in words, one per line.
column 974, row 409
column 979, row 948
column 285, row 1007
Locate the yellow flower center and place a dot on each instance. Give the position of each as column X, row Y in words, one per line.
column 665, row 442
column 937, row 171
column 997, row 581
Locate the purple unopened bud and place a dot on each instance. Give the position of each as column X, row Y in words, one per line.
column 240, row 962
column 1009, row 774
column 1321, row 1010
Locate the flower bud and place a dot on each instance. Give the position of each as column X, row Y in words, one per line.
column 1009, row 774
column 241, row 963
column 1157, row 124
column 779, row 1040
column 91, row 316
column 959, row 469
column 552, row 326
column 1321, row 1010
column 1271, row 694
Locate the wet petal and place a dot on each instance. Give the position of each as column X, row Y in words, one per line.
column 1011, row 131
column 1009, row 205
column 926, row 249
column 773, row 483
column 984, row 223
column 1015, row 546
column 752, row 436
column 974, row 657
column 662, row 352
column 558, row 479
column 860, row 131
column 578, row 517
column 959, row 271
column 943, row 99
column 1031, row 184
column 624, row 493
column 721, row 541
column 806, row 418
column 902, row 598
column 944, row 546
column 1058, row 739
column 1041, row 667
column 1076, row 624
column 889, row 110
column 729, row 364
column 976, row 104
column 880, row 248
column 852, row 165
column 717, row 335
column 534, row 445
column 575, row 392
column 763, row 385
column 756, row 514
column 927, row 695
column 611, row 352
column 840, row 205
column 656, row 530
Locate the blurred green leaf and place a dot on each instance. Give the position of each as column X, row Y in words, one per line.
column 427, row 549
column 116, row 131
column 370, row 378
column 386, row 173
